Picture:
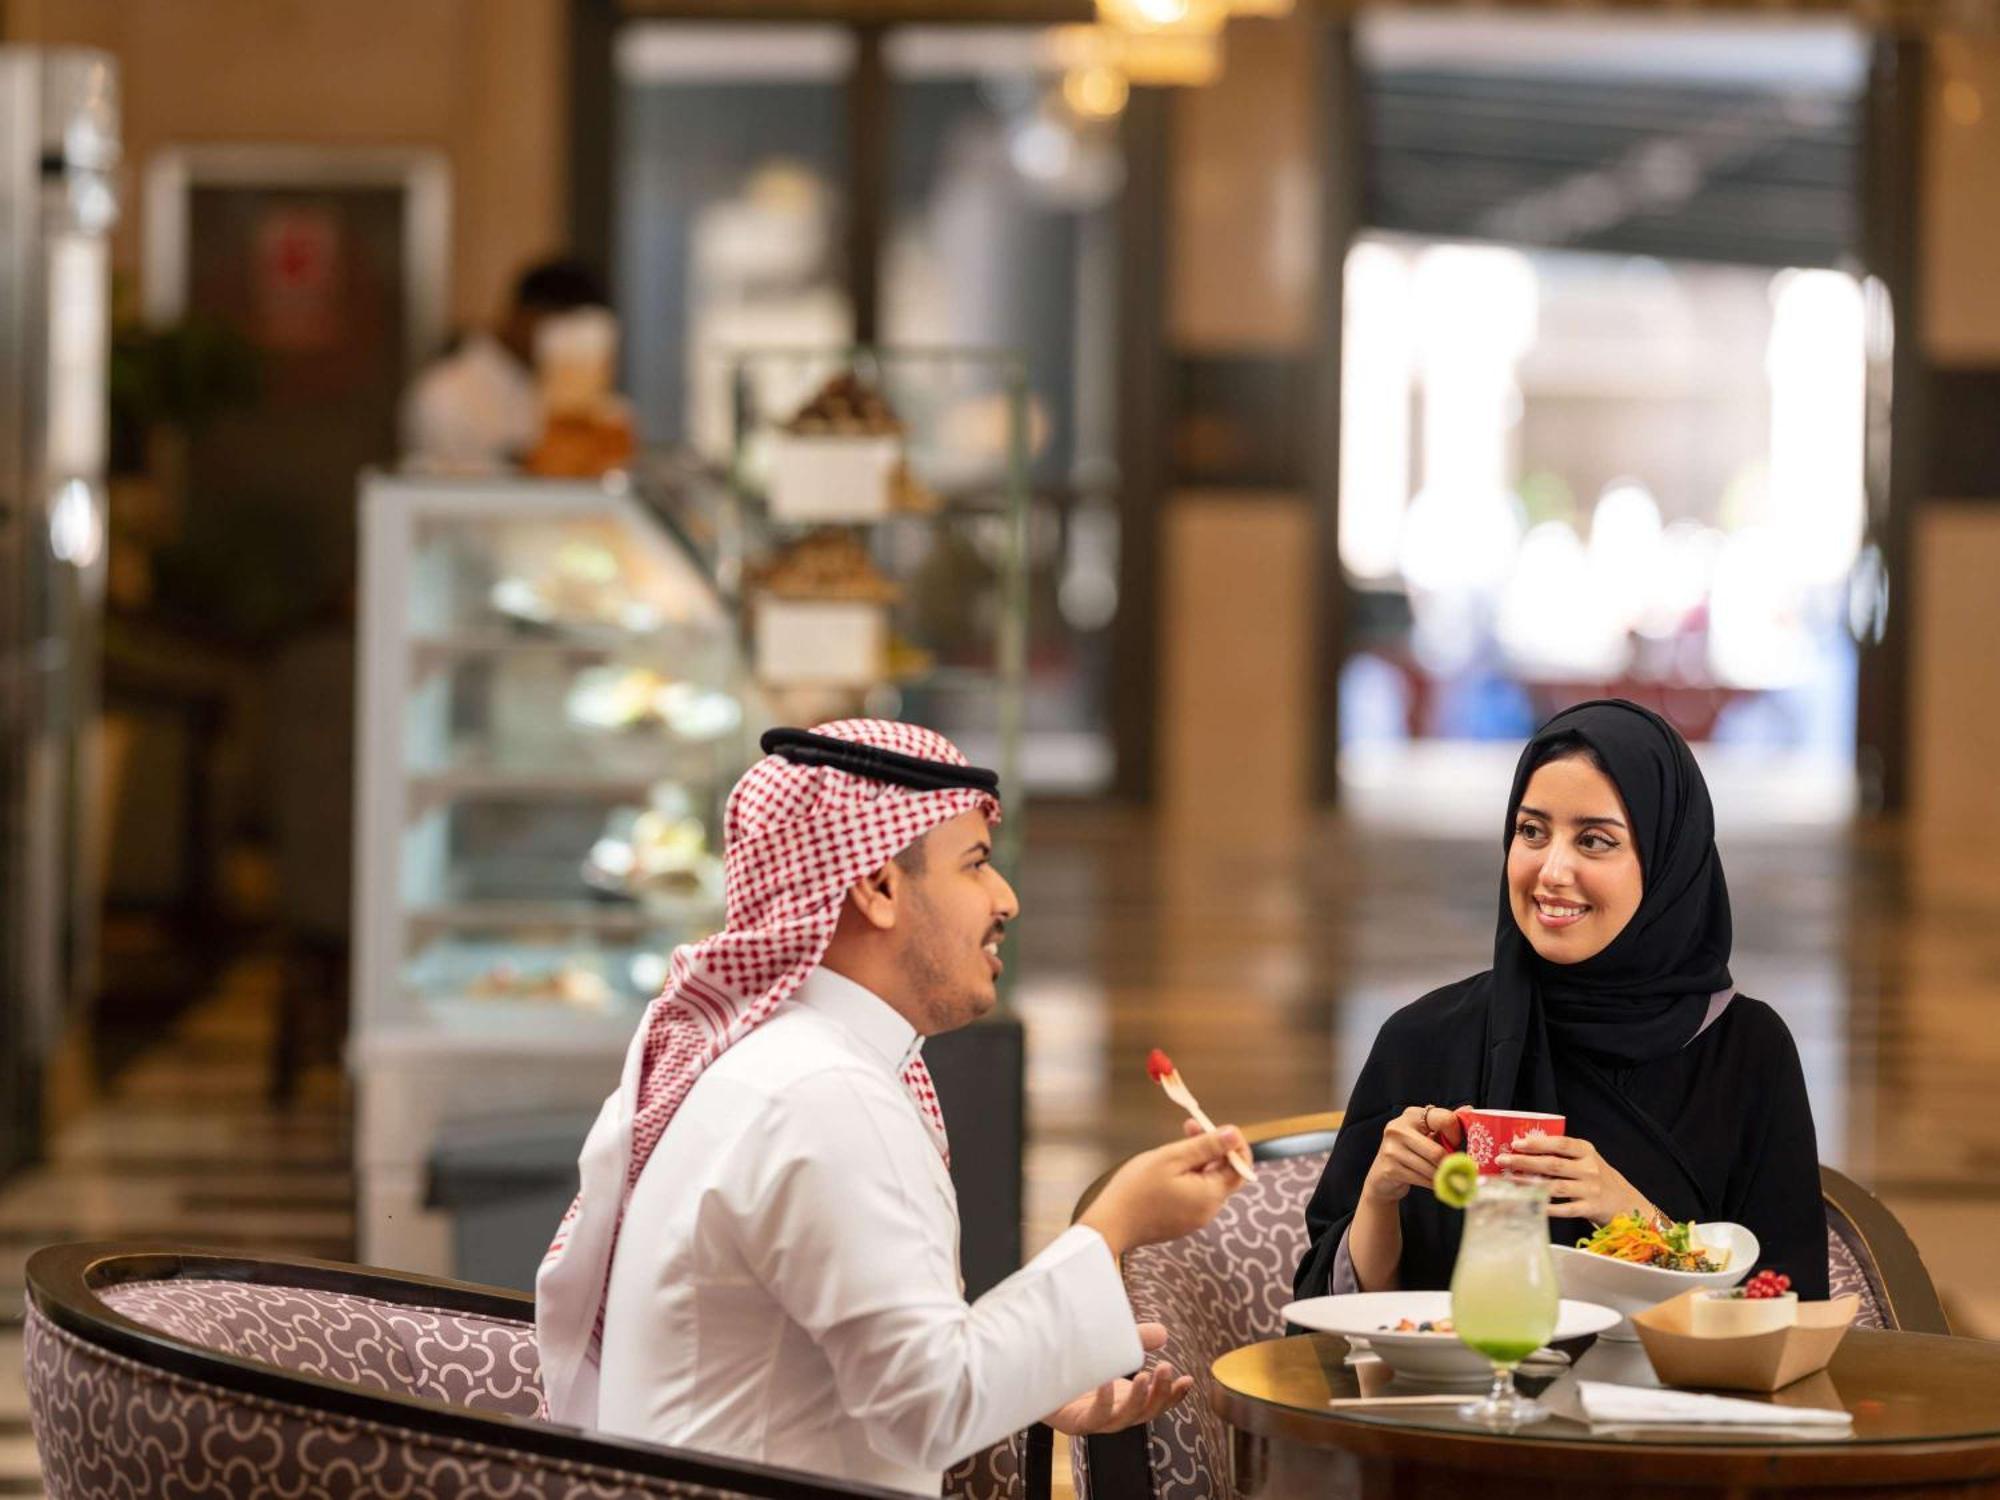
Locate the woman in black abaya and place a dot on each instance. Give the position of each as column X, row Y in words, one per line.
column 1609, row 1002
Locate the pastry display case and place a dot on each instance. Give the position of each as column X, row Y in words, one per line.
column 554, row 707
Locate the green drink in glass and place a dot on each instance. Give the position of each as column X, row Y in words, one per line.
column 1503, row 1292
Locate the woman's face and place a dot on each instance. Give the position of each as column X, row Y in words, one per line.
column 1573, row 874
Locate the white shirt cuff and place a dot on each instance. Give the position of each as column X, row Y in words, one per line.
column 1104, row 1332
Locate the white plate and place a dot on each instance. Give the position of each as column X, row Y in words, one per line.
column 1627, row 1288
column 1424, row 1356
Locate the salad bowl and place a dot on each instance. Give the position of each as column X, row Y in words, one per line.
column 1627, row 1286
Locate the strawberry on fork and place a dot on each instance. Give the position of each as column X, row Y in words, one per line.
column 1160, row 1068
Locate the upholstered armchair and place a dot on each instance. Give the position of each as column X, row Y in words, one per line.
column 1871, row 1255
column 155, row 1371
column 1216, row 1290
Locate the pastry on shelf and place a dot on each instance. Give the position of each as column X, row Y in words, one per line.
column 840, row 459
column 629, row 698
column 846, row 406
column 582, row 584
column 697, row 714
column 572, row 982
column 909, row 495
column 656, row 856
column 582, row 445
column 614, row 698
column 587, row 426
column 830, row 565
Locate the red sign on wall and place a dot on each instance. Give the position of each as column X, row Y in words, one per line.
column 298, row 280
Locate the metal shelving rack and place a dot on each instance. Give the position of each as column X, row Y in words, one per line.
column 975, row 691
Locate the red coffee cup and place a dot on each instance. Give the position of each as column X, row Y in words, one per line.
column 1489, row 1132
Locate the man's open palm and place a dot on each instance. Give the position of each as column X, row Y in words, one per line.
column 1122, row 1403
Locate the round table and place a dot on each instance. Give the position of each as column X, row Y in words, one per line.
column 1926, row 1412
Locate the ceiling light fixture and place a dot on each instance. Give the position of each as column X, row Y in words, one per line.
column 1153, row 59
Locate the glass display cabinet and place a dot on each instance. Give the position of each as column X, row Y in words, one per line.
column 553, row 710
column 560, row 683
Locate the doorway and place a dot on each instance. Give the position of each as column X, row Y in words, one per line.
column 1605, row 379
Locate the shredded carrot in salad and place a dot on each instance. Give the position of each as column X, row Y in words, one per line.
column 1630, row 1238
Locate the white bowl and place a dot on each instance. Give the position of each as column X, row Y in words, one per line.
column 1372, row 1316
column 1626, row 1287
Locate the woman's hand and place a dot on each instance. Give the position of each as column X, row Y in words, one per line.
column 1412, row 1146
column 1582, row 1184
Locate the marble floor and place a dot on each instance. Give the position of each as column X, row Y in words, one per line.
column 183, row 1146
column 1264, row 970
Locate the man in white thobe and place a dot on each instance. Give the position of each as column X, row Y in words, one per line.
column 782, row 1285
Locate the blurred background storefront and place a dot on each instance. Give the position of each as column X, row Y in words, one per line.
column 1390, row 376
column 1617, row 443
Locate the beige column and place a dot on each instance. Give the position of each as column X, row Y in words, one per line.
column 1236, row 585
column 1955, row 687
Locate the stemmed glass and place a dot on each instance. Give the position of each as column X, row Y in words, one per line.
column 1503, row 1292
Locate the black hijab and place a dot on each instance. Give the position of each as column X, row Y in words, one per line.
column 1646, row 994
column 1708, row 1121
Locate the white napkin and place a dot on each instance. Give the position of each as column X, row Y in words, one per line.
column 1626, row 1406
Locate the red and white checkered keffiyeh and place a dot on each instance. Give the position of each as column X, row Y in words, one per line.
column 796, row 838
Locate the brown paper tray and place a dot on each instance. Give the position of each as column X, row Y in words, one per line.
column 1742, row 1362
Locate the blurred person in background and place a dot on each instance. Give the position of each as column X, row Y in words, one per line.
column 478, row 409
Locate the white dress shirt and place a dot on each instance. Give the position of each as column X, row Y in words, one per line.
column 786, row 1289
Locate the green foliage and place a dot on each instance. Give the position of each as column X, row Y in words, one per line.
column 249, row 567
column 183, row 375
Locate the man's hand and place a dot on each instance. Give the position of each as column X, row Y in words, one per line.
column 1167, row 1192
column 1118, row 1404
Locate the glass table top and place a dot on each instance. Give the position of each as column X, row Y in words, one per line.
column 1898, row 1387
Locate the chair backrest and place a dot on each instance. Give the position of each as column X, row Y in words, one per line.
column 1216, row 1290
column 484, row 1363
column 1871, row 1255
column 154, row 1371
column 1015, row 1468
column 479, row 1361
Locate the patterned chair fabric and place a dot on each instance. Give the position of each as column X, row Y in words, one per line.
column 1216, row 1290
column 1015, row 1468
column 1871, row 1255
column 1850, row 1271
column 111, row 1428
column 108, row 1424
column 487, row 1364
